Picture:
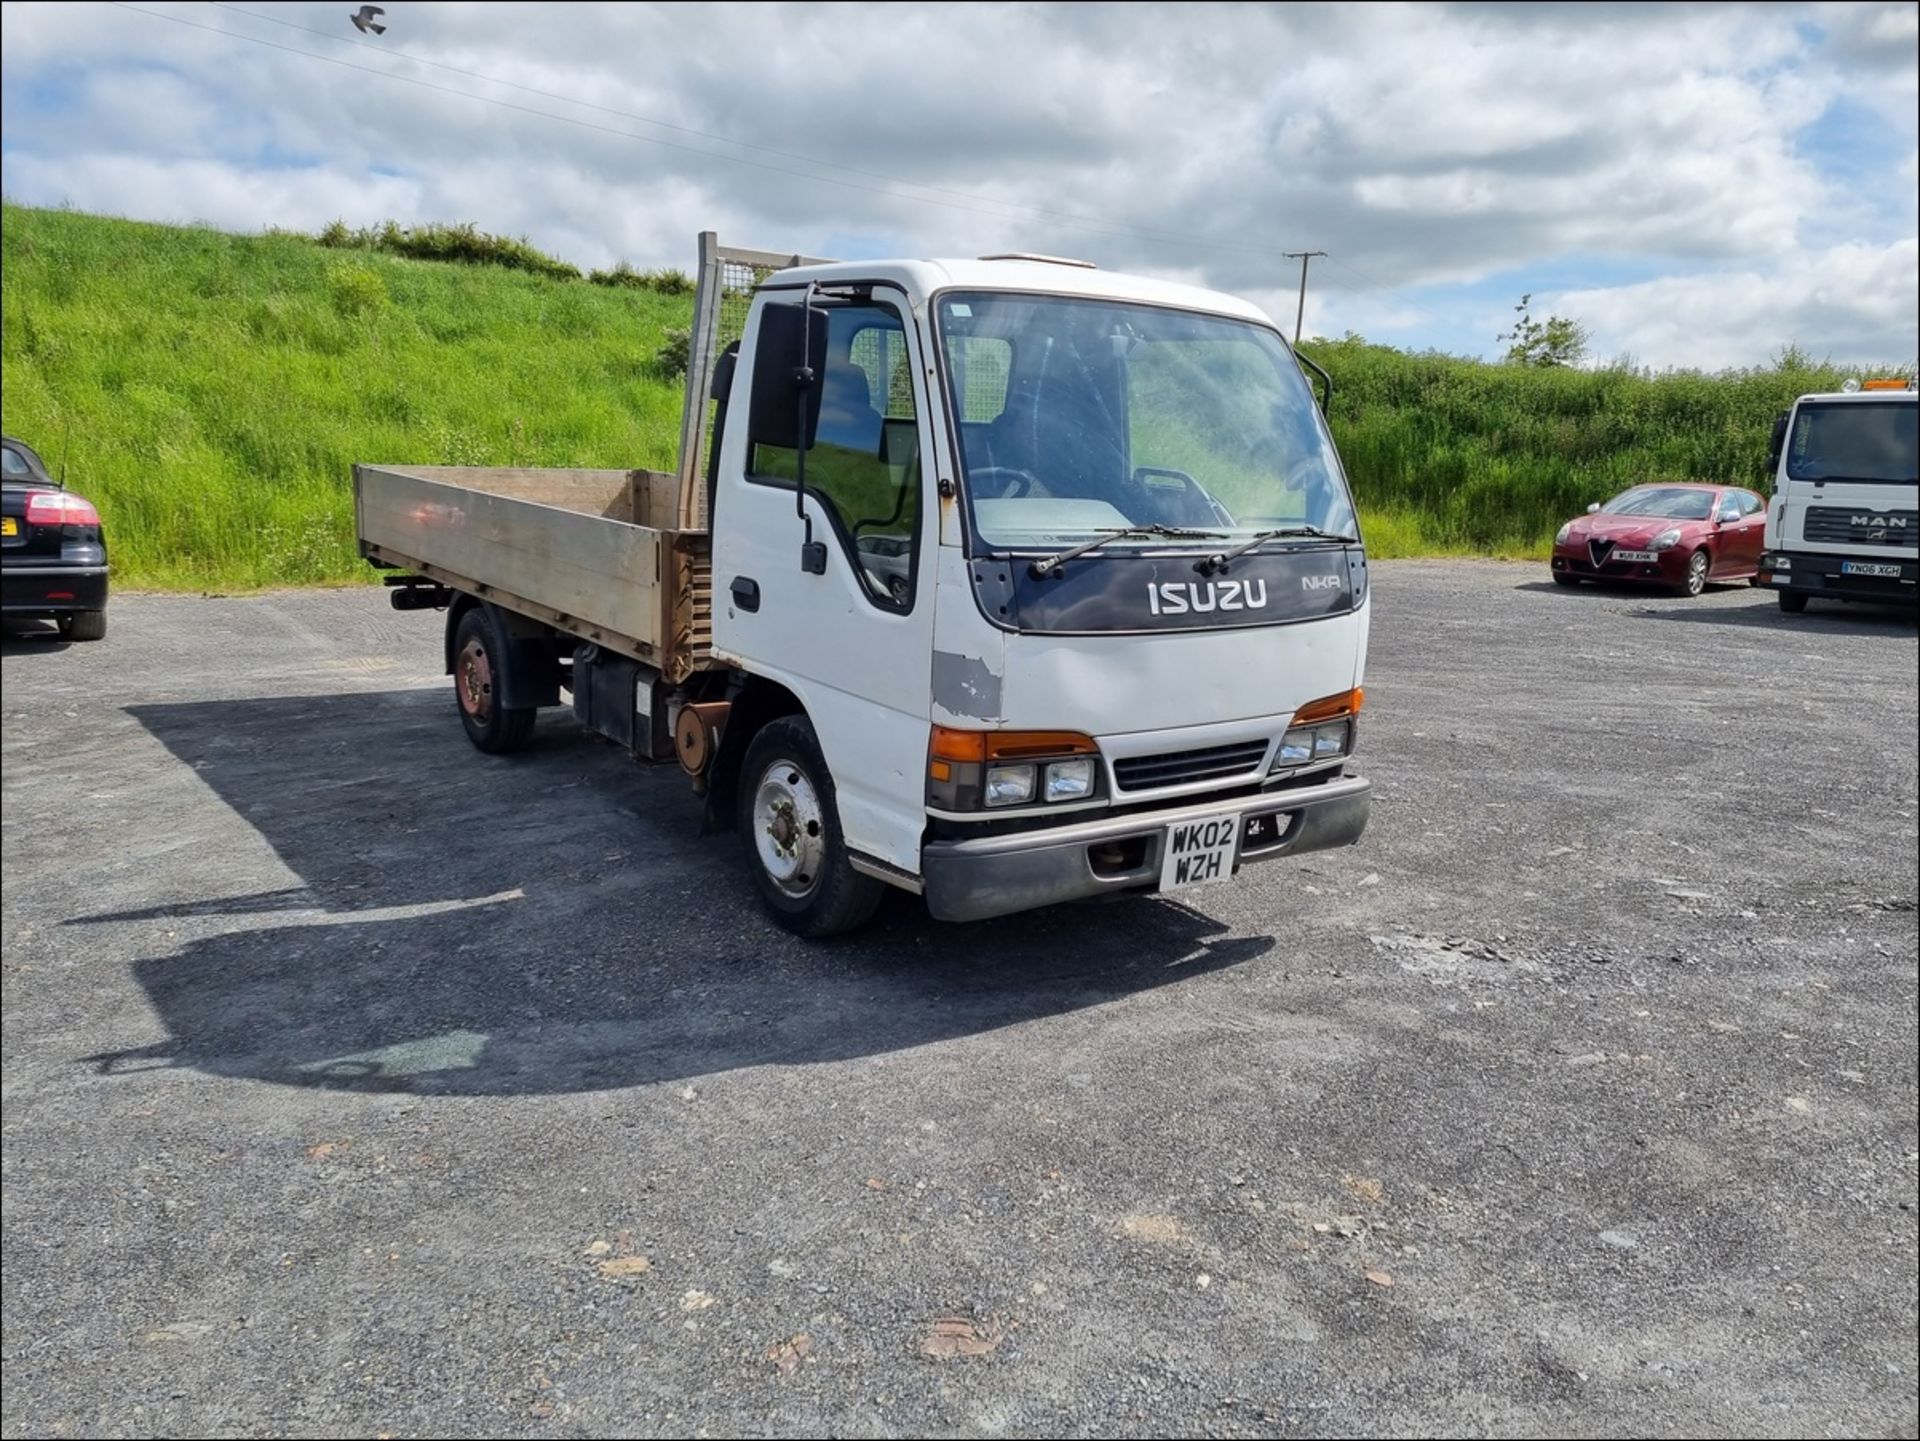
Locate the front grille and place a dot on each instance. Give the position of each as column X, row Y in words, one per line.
column 1172, row 768
column 1859, row 525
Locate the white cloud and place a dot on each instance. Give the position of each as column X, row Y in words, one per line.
column 1432, row 147
column 1851, row 302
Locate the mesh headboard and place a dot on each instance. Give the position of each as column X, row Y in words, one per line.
column 723, row 294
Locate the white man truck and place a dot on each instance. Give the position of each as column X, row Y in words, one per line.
column 1844, row 521
column 1003, row 581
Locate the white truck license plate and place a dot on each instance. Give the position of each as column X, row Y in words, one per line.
column 1869, row 567
column 1198, row 851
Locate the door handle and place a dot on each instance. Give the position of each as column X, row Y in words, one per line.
column 746, row 593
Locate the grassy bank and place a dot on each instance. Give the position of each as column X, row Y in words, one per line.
column 1453, row 456
column 211, row 391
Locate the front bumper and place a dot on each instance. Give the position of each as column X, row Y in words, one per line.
column 971, row 880
column 1669, row 569
column 1811, row 573
column 52, row 589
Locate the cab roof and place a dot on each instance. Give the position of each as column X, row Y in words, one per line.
column 923, row 279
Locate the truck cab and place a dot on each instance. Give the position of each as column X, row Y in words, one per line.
column 1088, row 556
column 1004, row 581
column 1844, row 520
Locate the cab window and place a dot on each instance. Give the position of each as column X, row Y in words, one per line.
column 864, row 465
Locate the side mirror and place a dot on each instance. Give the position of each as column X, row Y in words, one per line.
column 1594, row 509
column 1777, row 443
column 788, row 359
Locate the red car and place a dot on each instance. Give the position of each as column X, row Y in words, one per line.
column 1679, row 536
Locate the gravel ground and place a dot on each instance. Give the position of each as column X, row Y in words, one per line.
column 357, row 1083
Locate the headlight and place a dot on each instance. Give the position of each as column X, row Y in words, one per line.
column 1009, row 785
column 1304, row 744
column 1560, row 535
column 1666, row 540
column 971, row 771
column 1070, row 780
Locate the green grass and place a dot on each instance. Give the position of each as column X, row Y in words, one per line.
column 1452, row 456
column 211, row 392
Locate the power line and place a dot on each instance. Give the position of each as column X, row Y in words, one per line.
column 1398, row 295
column 893, row 182
column 888, row 187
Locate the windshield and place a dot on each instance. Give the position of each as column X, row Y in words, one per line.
column 1666, row 502
column 1856, row 441
column 1083, row 417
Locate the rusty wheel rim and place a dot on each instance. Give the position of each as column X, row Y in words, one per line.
column 473, row 681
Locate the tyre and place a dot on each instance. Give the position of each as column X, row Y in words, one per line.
column 1792, row 601
column 479, row 665
column 1696, row 581
column 1560, row 577
column 791, row 827
column 84, row 625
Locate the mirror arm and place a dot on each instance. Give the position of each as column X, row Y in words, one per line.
column 1326, row 383
column 813, row 553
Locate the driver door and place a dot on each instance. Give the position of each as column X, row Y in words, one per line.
column 855, row 641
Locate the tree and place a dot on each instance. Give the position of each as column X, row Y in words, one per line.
column 1554, row 341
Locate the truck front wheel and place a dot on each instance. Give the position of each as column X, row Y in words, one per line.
column 791, row 827
column 479, row 672
column 1792, row 601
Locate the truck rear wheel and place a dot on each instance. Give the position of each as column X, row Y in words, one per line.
column 791, row 826
column 1792, row 601
column 479, row 666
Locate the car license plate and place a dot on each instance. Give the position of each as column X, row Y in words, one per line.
column 1198, row 851
column 1869, row 567
column 1648, row 556
column 9, row 526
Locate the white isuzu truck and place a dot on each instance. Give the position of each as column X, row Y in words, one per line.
column 1003, row 581
column 1844, row 521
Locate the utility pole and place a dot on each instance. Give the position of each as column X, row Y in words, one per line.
column 1303, row 256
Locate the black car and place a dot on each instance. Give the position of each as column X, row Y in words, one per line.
column 53, row 554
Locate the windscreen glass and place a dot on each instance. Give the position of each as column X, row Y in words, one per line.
column 1857, row 441
column 1083, row 418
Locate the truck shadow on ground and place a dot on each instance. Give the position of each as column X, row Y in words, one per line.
column 555, row 922
column 1831, row 618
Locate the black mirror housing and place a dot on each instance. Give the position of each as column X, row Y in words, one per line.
column 788, row 358
column 1777, row 443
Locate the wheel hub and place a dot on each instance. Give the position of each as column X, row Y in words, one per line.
column 474, row 681
column 789, row 828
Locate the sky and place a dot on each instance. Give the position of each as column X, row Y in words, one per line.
column 1700, row 185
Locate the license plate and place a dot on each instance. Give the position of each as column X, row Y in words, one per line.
column 9, row 526
column 1869, row 567
column 1648, row 556
column 1198, row 852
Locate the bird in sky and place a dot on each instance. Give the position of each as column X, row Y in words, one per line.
column 364, row 21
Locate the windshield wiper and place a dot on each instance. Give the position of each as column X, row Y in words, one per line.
column 1219, row 562
column 1051, row 564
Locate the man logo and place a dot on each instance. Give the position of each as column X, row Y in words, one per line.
column 1172, row 597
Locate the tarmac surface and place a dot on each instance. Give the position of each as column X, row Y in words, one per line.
column 358, row 1083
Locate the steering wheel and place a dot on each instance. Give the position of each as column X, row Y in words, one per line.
column 1019, row 482
column 1192, row 492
